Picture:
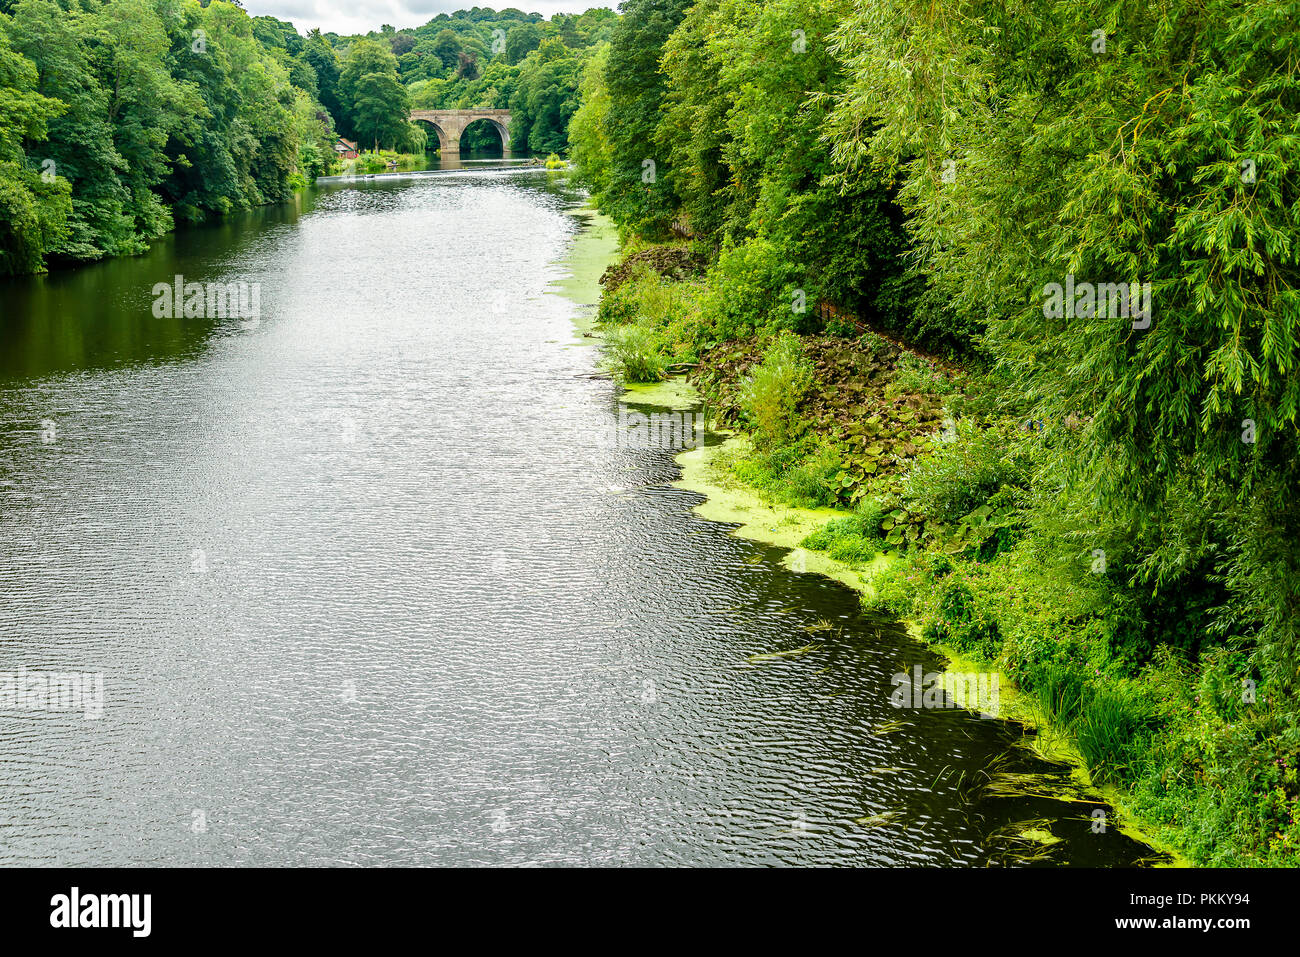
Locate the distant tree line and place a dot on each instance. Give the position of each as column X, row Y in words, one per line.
column 471, row 59
column 119, row 117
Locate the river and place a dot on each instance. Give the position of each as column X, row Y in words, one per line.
column 366, row 586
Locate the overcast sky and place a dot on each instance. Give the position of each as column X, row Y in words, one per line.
column 362, row 16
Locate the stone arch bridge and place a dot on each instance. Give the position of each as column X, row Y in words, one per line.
column 450, row 124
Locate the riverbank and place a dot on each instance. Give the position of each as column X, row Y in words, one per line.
column 711, row 471
column 926, row 487
column 385, row 161
column 707, row 471
column 727, row 500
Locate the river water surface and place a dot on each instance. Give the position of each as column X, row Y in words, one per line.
column 367, row 587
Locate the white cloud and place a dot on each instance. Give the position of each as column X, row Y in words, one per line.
column 361, row 16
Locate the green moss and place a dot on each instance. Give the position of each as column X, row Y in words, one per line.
column 594, row 246
column 760, row 518
column 675, row 393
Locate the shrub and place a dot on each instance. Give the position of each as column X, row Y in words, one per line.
column 855, row 539
column 915, row 374
column 801, row 474
column 751, row 289
column 851, row 237
column 633, row 355
column 863, row 523
column 963, row 475
column 960, row 619
column 770, row 396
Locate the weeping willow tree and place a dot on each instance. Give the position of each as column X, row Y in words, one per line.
column 1086, row 150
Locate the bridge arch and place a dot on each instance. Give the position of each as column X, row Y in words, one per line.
column 501, row 129
column 450, row 125
column 438, row 131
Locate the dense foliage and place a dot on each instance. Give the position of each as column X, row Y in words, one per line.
column 830, row 208
column 118, row 117
column 487, row 59
column 1104, row 503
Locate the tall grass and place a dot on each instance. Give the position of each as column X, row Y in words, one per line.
column 1106, row 716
